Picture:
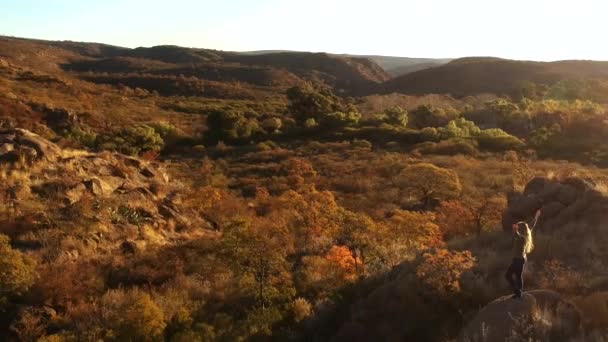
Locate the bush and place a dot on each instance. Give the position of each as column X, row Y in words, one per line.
column 449, row 147
column 429, row 116
column 132, row 140
column 498, row 140
column 17, row 271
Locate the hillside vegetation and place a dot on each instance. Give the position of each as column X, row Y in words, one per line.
column 180, row 194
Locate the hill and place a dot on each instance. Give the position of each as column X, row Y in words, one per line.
column 394, row 66
column 347, row 75
column 472, row 76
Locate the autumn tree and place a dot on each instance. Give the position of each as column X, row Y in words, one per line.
column 132, row 315
column 483, row 199
column 454, row 219
column 429, row 184
column 402, row 237
column 441, row 270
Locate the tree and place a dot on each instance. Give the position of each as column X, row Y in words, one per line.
column 459, row 128
column 311, row 107
column 17, row 271
column 403, row 236
column 395, row 116
column 231, row 125
column 132, row 140
column 454, row 219
column 441, row 270
column 132, row 315
column 429, row 183
column 429, row 116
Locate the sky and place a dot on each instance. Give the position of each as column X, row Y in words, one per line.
column 519, row 29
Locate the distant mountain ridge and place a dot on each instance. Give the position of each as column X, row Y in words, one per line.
column 477, row 75
column 394, row 66
column 346, row 75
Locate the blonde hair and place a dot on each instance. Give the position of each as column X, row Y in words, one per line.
column 524, row 229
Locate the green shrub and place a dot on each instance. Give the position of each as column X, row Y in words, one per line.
column 449, row 147
column 131, row 140
column 17, row 271
column 496, row 139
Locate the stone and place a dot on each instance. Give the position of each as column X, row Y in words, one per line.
column 6, row 147
column 75, row 194
column 552, row 209
column 550, row 191
column 128, row 247
column 535, row 186
column 170, row 213
column 44, row 148
column 543, row 311
column 104, row 186
column 525, row 206
column 567, row 195
column 148, row 172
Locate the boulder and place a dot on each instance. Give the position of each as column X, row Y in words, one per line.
column 104, row 186
column 128, row 247
column 579, row 184
column 171, row 213
column 44, row 148
column 552, row 209
column 567, row 194
column 550, row 191
column 540, row 315
column 75, row 194
column 525, row 206
column 20, row 142
column 508, row 220
column 535, row 186
column 6, row 148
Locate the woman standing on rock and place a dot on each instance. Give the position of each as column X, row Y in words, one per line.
column 522, row 245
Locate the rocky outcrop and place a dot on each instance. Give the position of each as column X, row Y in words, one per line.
column 540, row 315
column 17, row 143
column 561, row 201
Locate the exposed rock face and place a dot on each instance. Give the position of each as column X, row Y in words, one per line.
column 19, row 143
column 540, row 315
column 561, row 201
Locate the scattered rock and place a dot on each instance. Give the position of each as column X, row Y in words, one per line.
column 148, row 172
column 128, row 247
column 103, row 186
column 171, row 213
column 6, row 147
column 20, row 142
column 75, row 194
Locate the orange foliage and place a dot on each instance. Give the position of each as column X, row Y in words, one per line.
column 342, row 257
column 454, row 219
column 441, row 270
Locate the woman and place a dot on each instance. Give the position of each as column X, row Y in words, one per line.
column 522, row 245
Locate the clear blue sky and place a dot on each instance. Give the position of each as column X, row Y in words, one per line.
column 520, row 29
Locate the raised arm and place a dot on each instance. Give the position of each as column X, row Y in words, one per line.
column 536, row 216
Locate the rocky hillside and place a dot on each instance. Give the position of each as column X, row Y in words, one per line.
column 110, row 202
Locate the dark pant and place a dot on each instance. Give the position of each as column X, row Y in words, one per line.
column 515, row 270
